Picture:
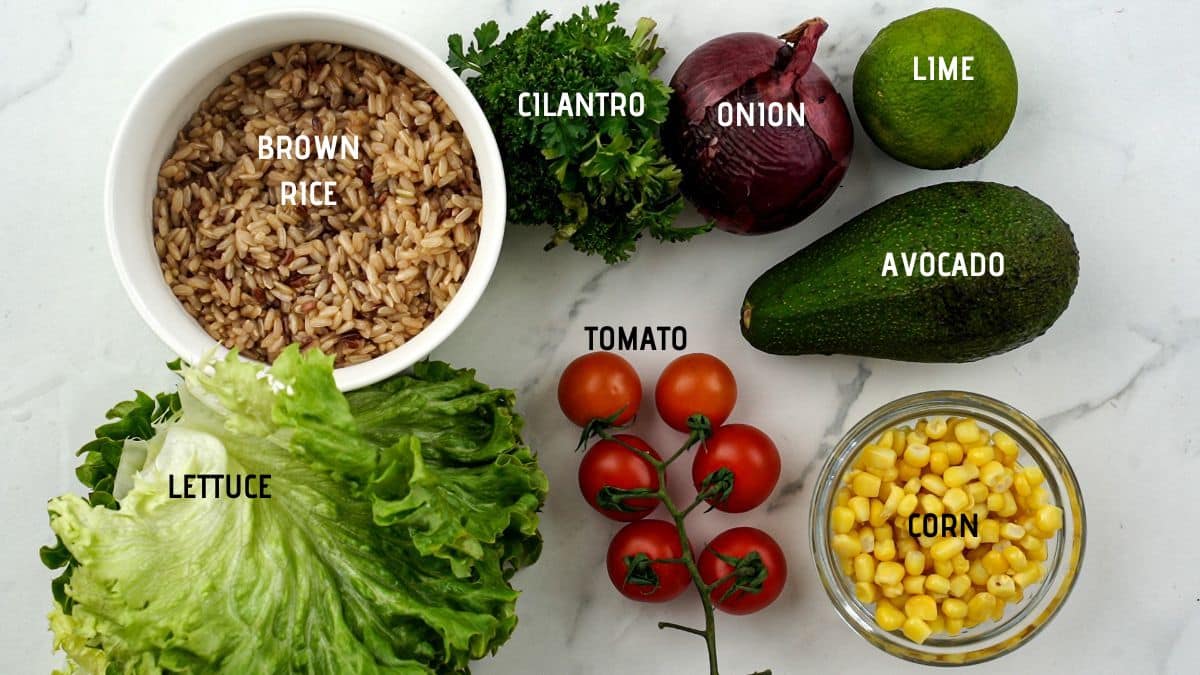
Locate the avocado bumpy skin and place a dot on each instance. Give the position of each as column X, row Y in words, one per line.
column 830, row 298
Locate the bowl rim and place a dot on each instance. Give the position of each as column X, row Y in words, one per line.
column 485, row 149
column 1053, row 590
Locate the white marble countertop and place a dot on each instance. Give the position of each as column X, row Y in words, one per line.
column 1104, row 133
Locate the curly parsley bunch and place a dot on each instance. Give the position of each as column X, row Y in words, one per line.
column 601, row 181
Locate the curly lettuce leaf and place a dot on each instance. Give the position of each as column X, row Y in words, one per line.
column 397, row 515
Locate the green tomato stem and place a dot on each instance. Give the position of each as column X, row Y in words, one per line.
column 688, row 559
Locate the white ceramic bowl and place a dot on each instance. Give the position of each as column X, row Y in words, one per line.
column 172, row 95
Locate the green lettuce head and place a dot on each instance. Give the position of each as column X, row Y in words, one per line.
column 397, row 515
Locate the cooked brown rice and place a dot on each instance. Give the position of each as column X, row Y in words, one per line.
column 357, row 278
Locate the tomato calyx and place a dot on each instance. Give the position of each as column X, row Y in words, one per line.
column 640, row 572
column 600, row 426
column 613, row 498
column 748, row 574
column 700, row 426
column 717, row 487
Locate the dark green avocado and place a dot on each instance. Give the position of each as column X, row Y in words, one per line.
column 832, row 297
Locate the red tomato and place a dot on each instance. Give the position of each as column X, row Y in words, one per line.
column 749, row 455
column 638, row 544
column 598, row 385
column 695, row 383
column 610, row 464
column 739, row 543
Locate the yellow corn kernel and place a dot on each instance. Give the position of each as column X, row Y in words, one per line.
column 953, row 608
column 1029, row 576
column 887, row 438
column 1001, row 586
column 978, row 573
column 922, row 607
column 885, row 550
column 905, row 546
column 954, row 452
column 933, row 484
column 946, row 548
column 866, row 539
column 958, row 476
column 938, row 625
column 908, row 504
column 954, row 626
column 998, row 610
column 1037, row 554
column 864, row 567
column 842, row 497
column 980, row 607
column 995, row 502
column 944, row 568
column 1006, row 445
column 1038, row 497
column 1021, row 485
column 1015, row 557
column 959, row 585
column 994, row 562
column 967, row 432
column 892, row 591
column 956, row 500
column 913, row 485
column 937, row 584
column 879, row 457
column 861, row 506
column 989, row 531
column 939, row 461
column 917, row 437
column 978, row 492
column 960, row 564
column 916, row 630
column 1010, row 505
column 888, row 573
column 892, row 502
column 866, row 592
column 847, row 566
column 846, row 545
column 1031, row 543
column 865, row 485
column 917, row 455
column 1012, row 531
column 841, row 520
column 981, row 454
column 1049, row 519
column 883, row 533
column 906, row 471
column 996, row 476
column 876, row 517
column 935, row 429
column 1034, row 475
column 914, row 562
column 914, row 585
column 972, row 541
column 888, row 617
column 932, row 504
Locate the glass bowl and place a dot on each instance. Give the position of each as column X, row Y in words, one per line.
column 1041, row 602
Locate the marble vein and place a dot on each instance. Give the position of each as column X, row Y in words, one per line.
column 848, row 394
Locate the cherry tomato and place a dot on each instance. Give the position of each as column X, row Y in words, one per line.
column 636, row 545
column 610, row 464
column 740, row 542
column 695, row 383
column 751, row 461
column 598, row 385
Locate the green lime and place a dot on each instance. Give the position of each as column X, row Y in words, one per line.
column 937, row 89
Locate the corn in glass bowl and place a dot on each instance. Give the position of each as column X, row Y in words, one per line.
column 1041, row 601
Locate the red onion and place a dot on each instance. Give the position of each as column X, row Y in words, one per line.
column 759, row 178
